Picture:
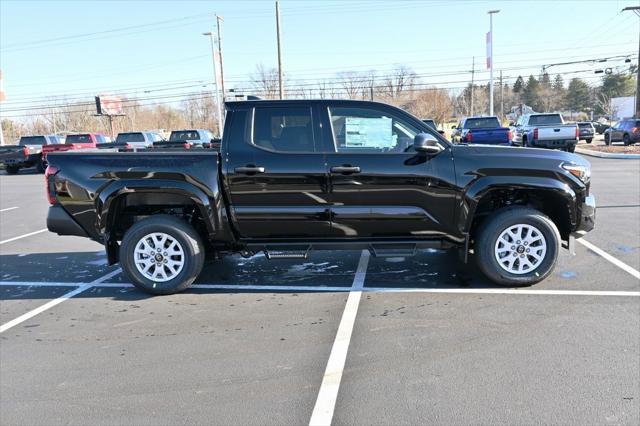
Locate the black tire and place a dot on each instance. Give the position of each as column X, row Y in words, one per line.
column 571, row 148
column 626, row 140
column 491, row 230
column 524, row 143
column 588, row 140
column 607, row 139
column 179, row 230
column 12, row 170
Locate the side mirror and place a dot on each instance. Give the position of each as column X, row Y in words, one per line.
column 424, row 142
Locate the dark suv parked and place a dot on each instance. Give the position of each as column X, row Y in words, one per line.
column 625, row 131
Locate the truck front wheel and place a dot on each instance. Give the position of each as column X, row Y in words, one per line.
column 162, row 254
column 517, row 247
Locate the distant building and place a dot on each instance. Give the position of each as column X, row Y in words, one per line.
column 622, row 107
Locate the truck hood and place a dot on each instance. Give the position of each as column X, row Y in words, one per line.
column 520, row 155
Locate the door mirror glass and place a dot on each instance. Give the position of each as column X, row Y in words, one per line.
column 424, row 142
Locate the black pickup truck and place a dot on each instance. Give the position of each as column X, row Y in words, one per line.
column 27, row 153
column 293, row 176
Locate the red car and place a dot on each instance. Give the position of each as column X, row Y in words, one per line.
column 73, row 142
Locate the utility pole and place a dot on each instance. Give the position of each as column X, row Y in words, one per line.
column 501, row 98
column 218, row 19
column 490, row 59
column 473, row 71
column 215, row 82
column 636, row 9
column 280, row 83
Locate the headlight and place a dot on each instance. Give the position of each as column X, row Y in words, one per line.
column 581, row 172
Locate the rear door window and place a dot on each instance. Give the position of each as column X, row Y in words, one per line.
column 78, row 139
column 482, row 123
column 284, row 129
column 33, row 140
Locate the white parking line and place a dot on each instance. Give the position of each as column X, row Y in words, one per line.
column 620, row 264
column 311, row 288
column 23, row 236
column 328, row 394
column 83, row 287
column 7, row 209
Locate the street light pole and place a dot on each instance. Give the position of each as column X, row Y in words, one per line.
column 636, row 9
column 218, row 19
column 280, row 83
column 215, row 81
column 491, row 12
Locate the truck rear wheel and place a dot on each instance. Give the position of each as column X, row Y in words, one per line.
column 162, row 254
column 12, row 170
column 518, row 246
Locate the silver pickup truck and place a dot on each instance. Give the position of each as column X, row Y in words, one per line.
column 545, row 131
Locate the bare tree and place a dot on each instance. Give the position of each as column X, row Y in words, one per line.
column 400, row 81
column 431, row 103
column 351, row 83
column 265, row 81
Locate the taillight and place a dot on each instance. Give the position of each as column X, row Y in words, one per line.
column 26, row 151
column 509, row 136
column 49, row 183
column 468, row 137
column 535, row 133
column 186, row 145
column 577, row 132
column 635, row 130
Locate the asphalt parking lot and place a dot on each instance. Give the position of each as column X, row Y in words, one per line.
column 343, row 338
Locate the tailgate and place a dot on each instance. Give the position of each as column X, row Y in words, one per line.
column 490, row 135
column 556, row 133
column 12, row 154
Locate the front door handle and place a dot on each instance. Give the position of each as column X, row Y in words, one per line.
column 345, row 169
column 249, row 170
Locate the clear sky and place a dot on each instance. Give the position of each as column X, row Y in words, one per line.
column 82, row 48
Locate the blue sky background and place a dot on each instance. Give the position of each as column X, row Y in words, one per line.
column 44, row 54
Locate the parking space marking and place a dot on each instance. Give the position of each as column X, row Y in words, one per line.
column 7, row 209
column 23, row 236
column 312, row 288
column 83, row 287
column 620, row 264
column 328, row 394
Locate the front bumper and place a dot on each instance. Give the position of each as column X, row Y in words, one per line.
column 587, row 216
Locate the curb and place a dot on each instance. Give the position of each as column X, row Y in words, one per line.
column 591, row 153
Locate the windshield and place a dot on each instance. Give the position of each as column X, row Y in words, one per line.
column 482, row 123
column 130, row 137
column 33, row 140
column 86, row 138
column 185, row 135
column 545, row 120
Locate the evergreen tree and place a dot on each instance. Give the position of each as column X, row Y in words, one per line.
column 578, row 95
column 518, row 86
column 532, row 94
column 615, row 85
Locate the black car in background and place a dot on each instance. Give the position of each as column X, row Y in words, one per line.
column 431, row 123
column 625, row 131
column 587, row 131
column 600, row 127
column 27, row 153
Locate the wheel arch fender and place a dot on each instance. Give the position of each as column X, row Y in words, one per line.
column 553, row 197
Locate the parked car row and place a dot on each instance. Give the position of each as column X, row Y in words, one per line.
column 32, row 151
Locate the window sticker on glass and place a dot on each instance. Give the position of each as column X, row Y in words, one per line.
column 368, row 132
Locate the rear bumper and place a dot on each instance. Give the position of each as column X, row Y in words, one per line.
column 587, row 216
column 553, row 144
column 61, row 222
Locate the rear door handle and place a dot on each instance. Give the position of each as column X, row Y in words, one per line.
column 249, row 169
column 345, row 169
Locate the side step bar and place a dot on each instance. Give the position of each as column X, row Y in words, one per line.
column 376, row 250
